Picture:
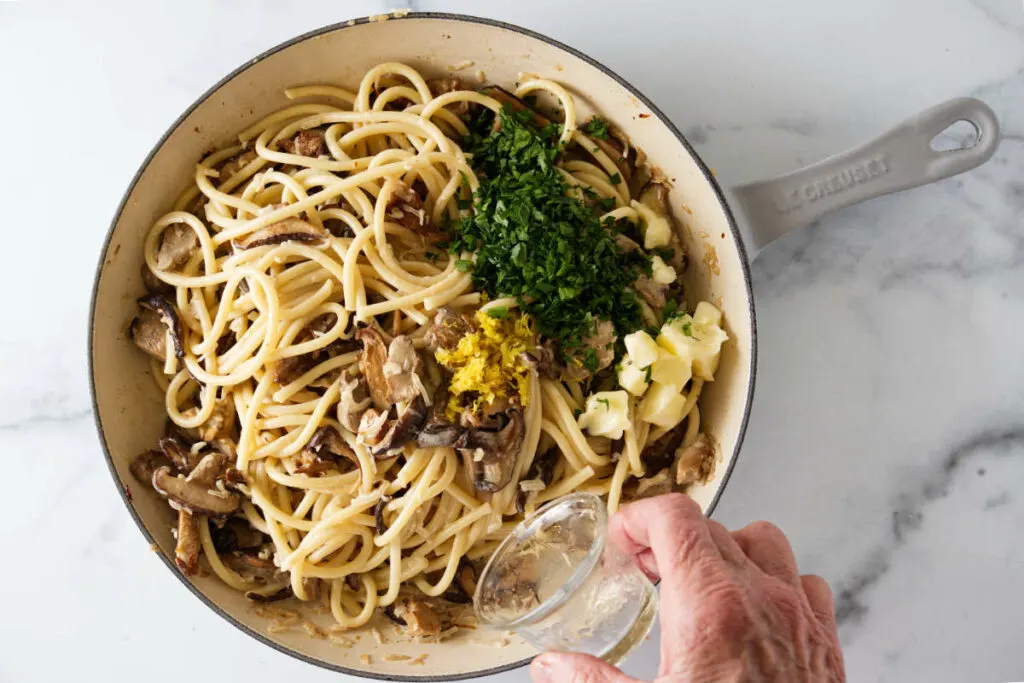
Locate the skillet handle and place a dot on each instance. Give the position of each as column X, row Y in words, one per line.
column 897, row 160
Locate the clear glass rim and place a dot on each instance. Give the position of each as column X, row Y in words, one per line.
column 578, row 576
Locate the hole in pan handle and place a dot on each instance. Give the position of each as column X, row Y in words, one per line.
column 899, row 159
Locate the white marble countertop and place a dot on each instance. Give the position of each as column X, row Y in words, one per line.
column 887, row 436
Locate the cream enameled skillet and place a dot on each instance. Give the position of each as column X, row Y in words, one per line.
column 721, row 229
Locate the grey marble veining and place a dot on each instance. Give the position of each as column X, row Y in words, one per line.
column 887, row 434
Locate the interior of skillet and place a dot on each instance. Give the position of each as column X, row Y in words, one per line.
column 130, row 407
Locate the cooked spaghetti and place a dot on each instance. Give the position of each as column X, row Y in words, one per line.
column 390, row 322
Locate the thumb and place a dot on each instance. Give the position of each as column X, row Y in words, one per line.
column 570, row 667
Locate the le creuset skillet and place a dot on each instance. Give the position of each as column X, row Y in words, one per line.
column 721, row 229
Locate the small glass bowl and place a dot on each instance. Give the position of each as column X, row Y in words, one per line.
column 557, row 583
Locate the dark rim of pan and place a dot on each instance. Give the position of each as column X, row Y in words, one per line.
column 268, row 53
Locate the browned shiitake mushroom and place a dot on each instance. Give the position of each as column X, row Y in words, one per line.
column 695, row 461
column 489, row 451
column 326, row 450
column 447, row 330
column 180, row 455
column 378, row 514
column 464, row 585
column 145, row 464
column 602, row 342
column 149, row 329
column 251, row 565
column 194, row 496
column 406, row 208
column 221, row 421
column 371, row 364
column 177, row 244
column 391, row 370
column 353, row 401
column 306, row 143
column 414, row 613
column 236, row 534
column 186, row 551
column 290, row 229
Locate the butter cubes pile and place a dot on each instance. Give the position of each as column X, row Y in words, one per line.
column 657, row 371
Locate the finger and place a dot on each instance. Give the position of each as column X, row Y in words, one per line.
column 645, row 560
column 565, row 667
column 672, row 528
column 727, row 545
column 768, row 548
column 819, row 595
column 672, row 532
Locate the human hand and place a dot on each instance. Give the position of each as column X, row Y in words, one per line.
column 734, row 607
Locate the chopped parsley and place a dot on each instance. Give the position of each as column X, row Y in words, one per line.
column 606, row 402
column 431, row 256
column 615, row 179
column 687, row 329
column 463, row 266
column 536, row 240
column 499, row 312
column 596, row 127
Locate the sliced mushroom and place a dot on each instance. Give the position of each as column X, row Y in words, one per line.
column 401, row 371
column 290, row 229
column 378, row 514
column 416, row 614
column 695, row 462
column 648, row 487
column 149, row 329
column 406, row 208
column 544, row 360
column 602, row 343
column 192, row 496
column 354, row 400
column 652, row 291
column 438, row 430
column 180, row 455
column 402, row 430
column 373, row 425
column 324, row 451
column 447, row 330
column 490, row 456
column 155, row 285
column 251, row 565
column 371, row 363
column 186, row 552
column 145, row 464
column 208, row 470
column 660, row 454
column 462, row 588
column 282, row 594
column 236, row 534
column 226, row 446
column 226, row 341
column 177, row 244
column 306, row 143
column 221, row 421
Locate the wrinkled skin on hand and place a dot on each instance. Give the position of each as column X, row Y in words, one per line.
column 734, row 608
